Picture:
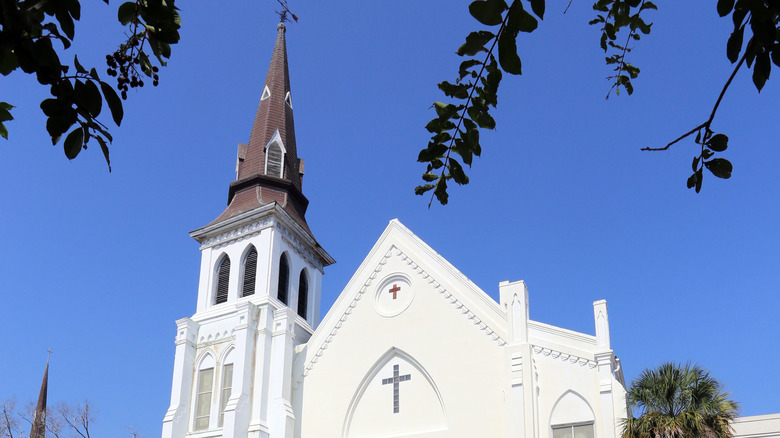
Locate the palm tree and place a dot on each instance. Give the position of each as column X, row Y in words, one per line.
column 676, row 401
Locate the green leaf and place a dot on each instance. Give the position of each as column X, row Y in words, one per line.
column 104, row 148
column 74, row 142
column 734, row 44
column 428, row 177
column 444, row 110
column 475, row 43
column 439, row 125
column 695, row 165
column 463, row 71
column 648, row 5
column 718, row 142
column 538, row 7
column 761, row 70
column 458, row 175
column 66, row 23
column 519, row 20
column 483, row 119
column 492, row 82
column 8, row 62
column 488, row 12
column 459, row 91
column 146, row 65
column 59, row 123
column 719, row 167
column 441, row 191
column 79, row 67
column 725, row 7
column 507, row 54
column 5, row 115
column 699, row 179
column 692, row 180
column 114, row 104
column 126, row 13
column 92, row 100
column 5, row 112
column 420, row 190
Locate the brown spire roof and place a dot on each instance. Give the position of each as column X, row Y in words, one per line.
column 257, row 182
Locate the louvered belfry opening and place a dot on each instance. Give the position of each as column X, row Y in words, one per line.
column 223, row 280
column 284, row 279
column 274, row 160
column 303, row 295
column 250, row 273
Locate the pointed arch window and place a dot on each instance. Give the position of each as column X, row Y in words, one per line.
column 274, row 157
column 250, row 273
column 223, row 280
column 303, row 294
column 284, row 279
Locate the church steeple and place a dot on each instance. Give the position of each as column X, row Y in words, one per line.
column 268, row 168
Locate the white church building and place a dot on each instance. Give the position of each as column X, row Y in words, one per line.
column 411, row 347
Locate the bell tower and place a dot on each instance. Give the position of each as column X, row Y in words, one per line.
column 259, row 287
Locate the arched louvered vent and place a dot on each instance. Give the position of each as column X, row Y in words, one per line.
column 250, row 271
column 284, row 279
column 303, row 294
column 273, row 160
column 223, row 280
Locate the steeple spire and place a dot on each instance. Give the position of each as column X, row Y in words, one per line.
column 268, row 169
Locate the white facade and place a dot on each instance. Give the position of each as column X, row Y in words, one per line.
column 411, row 348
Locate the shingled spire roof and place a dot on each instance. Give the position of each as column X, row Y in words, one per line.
column 268, row 168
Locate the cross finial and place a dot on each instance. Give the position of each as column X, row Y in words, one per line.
column 48, row 355
column 284, row 11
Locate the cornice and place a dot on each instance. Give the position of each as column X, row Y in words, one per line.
column 565, row 357
column 252, row 223
column 395, row 251
column 457, row 304
column 300, row 248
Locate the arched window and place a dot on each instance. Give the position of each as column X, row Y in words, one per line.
column 284, row 279
column 223, row 280
column 303, row 294
column 203, row 393
column 273, row 159
column 250, row 271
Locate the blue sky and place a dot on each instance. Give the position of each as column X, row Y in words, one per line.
column 99, row 265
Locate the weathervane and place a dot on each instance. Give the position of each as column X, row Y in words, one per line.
column 284, row 11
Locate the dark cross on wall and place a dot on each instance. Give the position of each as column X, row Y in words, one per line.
column 396, row 380
column 394, row 290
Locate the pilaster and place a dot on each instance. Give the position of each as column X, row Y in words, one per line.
column 605, row 360
column 176, row 419
column 237, row 409
column 281, row 418
column 520, row 403
column 258, row 426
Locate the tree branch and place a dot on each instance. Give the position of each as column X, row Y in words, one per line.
column 706, row 124
column 466, row 106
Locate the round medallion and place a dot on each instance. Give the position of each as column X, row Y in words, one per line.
column 394, row 295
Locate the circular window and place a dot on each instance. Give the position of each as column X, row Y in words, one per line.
column 394, row 295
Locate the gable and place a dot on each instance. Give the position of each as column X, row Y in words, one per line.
column 404, row 298
column 412, row 260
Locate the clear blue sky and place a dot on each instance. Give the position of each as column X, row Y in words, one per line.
column 99, row 265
